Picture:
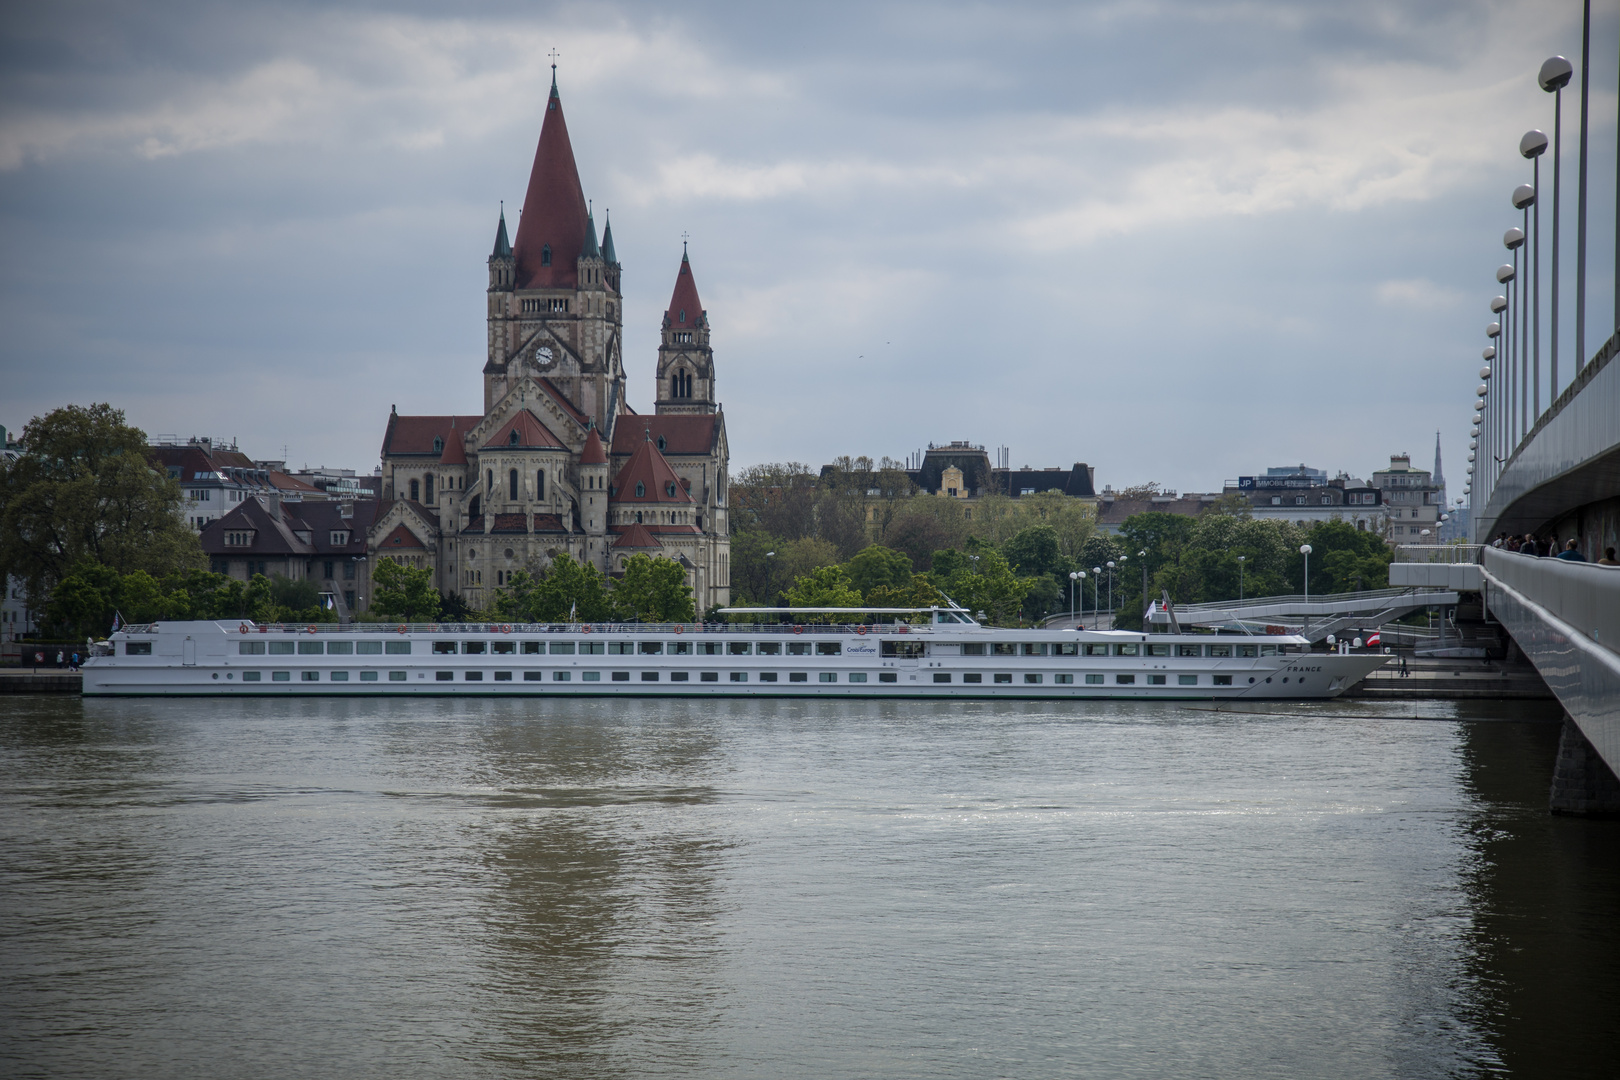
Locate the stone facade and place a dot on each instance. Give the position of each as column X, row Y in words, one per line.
column 559, row 461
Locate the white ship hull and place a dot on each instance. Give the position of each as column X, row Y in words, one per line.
column 942, row 661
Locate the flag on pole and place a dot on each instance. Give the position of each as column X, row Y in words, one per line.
column 1372, row 639
column 118, row 620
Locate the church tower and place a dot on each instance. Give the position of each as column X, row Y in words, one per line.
column 554, row 307
column 685, row 360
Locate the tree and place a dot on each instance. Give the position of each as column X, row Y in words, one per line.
column 83, row 489
column 980, row 580
column 919, row 592
column 1035, row 550
column 827, row 586
column 653, row 590
column 879, row 567
column 918, row 534
column 403, row 592
column 574, row 591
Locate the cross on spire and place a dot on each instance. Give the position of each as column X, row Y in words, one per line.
column 684, row 237
column 554, row 54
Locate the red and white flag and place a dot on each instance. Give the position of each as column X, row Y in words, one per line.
column 1372, row 639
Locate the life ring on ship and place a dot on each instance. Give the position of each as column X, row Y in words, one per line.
column 310, row 629
column 680, row 629
column 798, row 629
column 242, row 629
column 402, row 628
column 585, row 629
column 861, row 629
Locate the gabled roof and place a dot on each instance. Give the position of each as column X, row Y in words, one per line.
column 685, row 309
column 507, row 523
column 549, row 523
column 647, row 479
column 636, row 536
column 554, row 211
column 529, row 432
column 401, row 539
column 692, row 434
column 593, row 453
column 415, row 434
column 562, row 401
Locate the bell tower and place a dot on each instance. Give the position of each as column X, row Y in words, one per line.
column 685, row 360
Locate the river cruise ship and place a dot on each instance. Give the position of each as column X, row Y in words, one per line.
column 947, row 656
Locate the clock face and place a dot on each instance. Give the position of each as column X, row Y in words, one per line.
column 543, row 356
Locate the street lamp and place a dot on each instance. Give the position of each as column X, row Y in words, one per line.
column 1305, row 550
column 1532, row 146
column 1553, row 77
column 1111, row 591
column 1074, row 577
column 1241, row 559
column 1096, row 599
column 1143, row 556
column 1524, row 197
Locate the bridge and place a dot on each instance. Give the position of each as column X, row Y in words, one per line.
column 1560, row 479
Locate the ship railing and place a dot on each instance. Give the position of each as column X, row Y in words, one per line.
column 250, row 627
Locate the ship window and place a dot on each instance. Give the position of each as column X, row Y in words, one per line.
column 1219, row 650
column 829, row 676
column 137, row 648
column 474, row 648
column 561, row 676
column 309, row 648
column 1125, row 680
column 767, row 676
column 739, row 648
column 310, row 676
column 503, row 648
column 650, row 648
column 1188, row 650
column 680, row 676
column 243, row 648
column 1094, row 680
column 621, row 648
column 800, row 648
column 621, row 676
column 1031, row 649
column 678, row 648
column 281, row 648
column 444, row 648
column 832, row 648
column 1032, row 678
column 1096, row 648
column 1158, row 650
column 714, row 676
column 973, row 648
column 1064, row 679
column 1248, row 650
column 533, row 676
column 715, row 648
column 800, row 676
column 397, row 648
column 1003, row 677
column 1066, row 648
column 280, row 676
column 859, row 676
column 562, row 648
column 768, row 648
column 649, row 676
column 1155, row 680
column 904, row 650
column 250, row 676
column 590, row 648
column 739, row 676
column 1223, row 680
column 368, row 648
column 942, row 676
column 503, row 676
column 473, row 676
column 974, row 677
column 340, row 676
column 883, row 676
column 1125, row 650
column 1002, row 648
column 1186, row 680
column 340, row 648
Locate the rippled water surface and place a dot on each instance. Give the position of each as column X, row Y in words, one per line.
column 490, row 888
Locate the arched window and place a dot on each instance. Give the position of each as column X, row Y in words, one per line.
column 513, row 440
column 669, row 488
column 427, row 485
column 489, row 481
column 638, row 517
column 641, row 490
column 416, row 491
column 662, row 445
column 545, row 255
column 683, row 314
column 512, row 485
column 438, row 445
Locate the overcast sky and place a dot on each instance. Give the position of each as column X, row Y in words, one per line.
column 1178, row 241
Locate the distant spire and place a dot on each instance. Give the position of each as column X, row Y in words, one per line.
column 551, row 230
column 1439, row 476
column 608, row 254
column 591, row 250
column 503, row 247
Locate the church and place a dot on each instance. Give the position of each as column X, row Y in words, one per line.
column 559, row 461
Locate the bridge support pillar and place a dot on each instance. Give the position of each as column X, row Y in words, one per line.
column 1583, row 785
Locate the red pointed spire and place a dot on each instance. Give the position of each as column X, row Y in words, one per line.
column 551, row 232
column 593, row 453
column 685, row 309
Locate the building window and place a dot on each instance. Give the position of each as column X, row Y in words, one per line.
column 427, row 482
column 416, row 491
column 559, row 305
column 545, row 255
column 512, row 483
column 641, row 492
column 540, row 484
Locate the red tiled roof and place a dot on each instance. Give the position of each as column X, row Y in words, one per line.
column 637, row 536
column 455, row 448
column 593, row 453
column 415, row 434
column 531, row 434
column 650, row 473
column 549, row 523
column 554, row 210
column 693, row 434
column 657, row 530
column 400, row 539
column 507, row 523
column 685, row 309
column 562, row 400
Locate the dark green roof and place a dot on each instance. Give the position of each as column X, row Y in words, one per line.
column 591, row 250
column 608, row 254
column 503, row 247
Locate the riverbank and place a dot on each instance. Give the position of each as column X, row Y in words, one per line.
column 29, row 680
column 1435, row 678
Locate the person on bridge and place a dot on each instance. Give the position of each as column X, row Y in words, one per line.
column 1571, row 552
column 1608, row 558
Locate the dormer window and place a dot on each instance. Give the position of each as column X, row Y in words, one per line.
column 662, row 445
column 641, row 490
column 669, row 488
column 438, row 445
column 513, row 440
column 545, row 255
column 339, row 538
column 683, row 314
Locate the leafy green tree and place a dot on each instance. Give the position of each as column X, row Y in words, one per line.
column 919, row 592
column 653, row 590
column 828, row 586
column 574, row 591
column 877, row 567
column 83, row 489
column 404, row 592
column 1035, row 551
column 981, row 581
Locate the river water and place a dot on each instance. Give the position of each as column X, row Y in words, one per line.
column 645, row 888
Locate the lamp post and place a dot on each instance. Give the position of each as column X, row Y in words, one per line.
column 1532, row 146
column 1111, row 592
column 1074, row 578
column 1305, row 550
column 1096, row 598
column 1524, row 197
column 1143, row 556
column 1552, row 78
column 1241, row 559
